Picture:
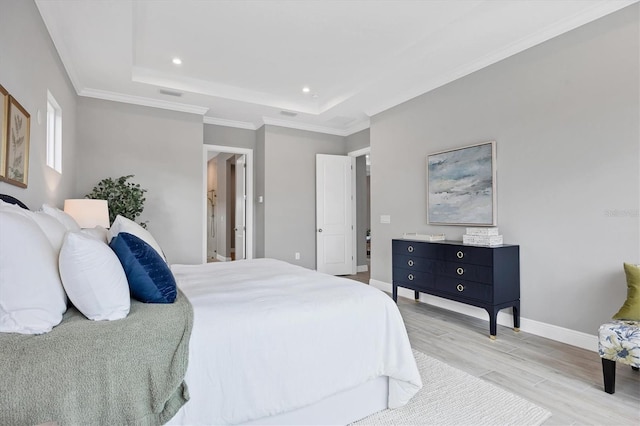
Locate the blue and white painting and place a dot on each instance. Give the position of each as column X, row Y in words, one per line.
column 461, row 186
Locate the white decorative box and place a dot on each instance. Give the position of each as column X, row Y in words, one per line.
column 422, row 237
column 482, row 240
column 482, row 231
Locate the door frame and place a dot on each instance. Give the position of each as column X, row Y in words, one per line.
column 242, row 173
column 357, row 153
column 249, row 185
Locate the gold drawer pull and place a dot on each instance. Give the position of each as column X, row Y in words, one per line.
column 460, row 287
column 410, row 249
column 411, row 277
column 460, row 271
column 410, row 262
column 460, row 254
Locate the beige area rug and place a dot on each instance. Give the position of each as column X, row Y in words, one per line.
column 452, row 397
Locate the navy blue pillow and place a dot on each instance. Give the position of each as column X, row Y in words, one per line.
column 149, row 276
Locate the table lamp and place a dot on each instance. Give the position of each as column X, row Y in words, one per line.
column 87, row 212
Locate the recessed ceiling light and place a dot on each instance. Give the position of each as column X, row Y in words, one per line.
column 177, row 61
column 306, row 89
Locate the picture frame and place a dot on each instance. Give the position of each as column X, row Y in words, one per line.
column 17, row 144
column 461, row 186
column 4, row 120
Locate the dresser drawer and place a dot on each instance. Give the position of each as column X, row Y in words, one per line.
column 482, row 276
column 464, row 271
column 413, row 278
column 414, row 263
column 467, row 254
column 415, row 248
column 465, row 289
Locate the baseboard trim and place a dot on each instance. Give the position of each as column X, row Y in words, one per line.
column 549, row 331
column 362, row 268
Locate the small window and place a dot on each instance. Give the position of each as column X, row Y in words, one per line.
column 54, row 133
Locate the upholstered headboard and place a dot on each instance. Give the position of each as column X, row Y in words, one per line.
column 12, row 200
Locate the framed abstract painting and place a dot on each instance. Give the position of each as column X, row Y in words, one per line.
column 461, row 186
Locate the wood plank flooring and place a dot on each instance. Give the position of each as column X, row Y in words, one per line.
column 564, row 379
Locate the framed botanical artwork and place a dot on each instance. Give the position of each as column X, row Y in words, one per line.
column 4, row 114
column 461, row 186
column 17, row 152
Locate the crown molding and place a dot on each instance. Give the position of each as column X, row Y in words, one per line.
column 315, row 128
column 229, row 123
column 358, row 127
column 288, row 124
column 597, row 11
column 302, row 126
column 139, row 100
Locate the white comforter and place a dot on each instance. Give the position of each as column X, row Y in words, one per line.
column 270, row 337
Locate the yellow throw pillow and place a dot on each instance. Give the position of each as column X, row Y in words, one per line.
column 631, row 308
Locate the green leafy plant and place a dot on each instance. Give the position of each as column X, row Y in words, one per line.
column 124, row 198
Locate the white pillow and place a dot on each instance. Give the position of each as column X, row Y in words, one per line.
column 64, row 218
column 32, row 299
column 122, row 224
column 52, row 228
column 97, row 232
column 93, row 278
column 10, row 207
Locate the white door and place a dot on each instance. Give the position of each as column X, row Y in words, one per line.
column 241, row 200
column 335, row 214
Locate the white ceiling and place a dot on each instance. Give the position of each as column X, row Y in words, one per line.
column 245, row 62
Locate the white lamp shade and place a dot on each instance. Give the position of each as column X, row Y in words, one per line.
column 88, row 213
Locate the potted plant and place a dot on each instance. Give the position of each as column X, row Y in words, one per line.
column 123, row 197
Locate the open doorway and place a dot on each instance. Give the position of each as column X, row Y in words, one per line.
column 227, row 203
column 363, row 213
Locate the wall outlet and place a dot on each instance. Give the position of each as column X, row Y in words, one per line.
column 385, row 218
column 297, row 256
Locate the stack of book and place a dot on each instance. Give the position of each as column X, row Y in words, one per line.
column 423, row 237
column 482, row 237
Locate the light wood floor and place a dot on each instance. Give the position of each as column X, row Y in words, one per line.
column 564, row 379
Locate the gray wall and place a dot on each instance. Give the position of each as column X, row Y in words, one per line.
column 289, row 192
column 29, row 66
column 163, row 149
column 565, row 115
column 358, row 140
column 229, row 136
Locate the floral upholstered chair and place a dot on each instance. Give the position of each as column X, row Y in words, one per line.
column 619, row 340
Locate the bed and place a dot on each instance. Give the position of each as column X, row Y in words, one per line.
column 270, row 343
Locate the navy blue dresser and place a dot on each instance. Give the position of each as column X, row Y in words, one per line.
column 486, row 277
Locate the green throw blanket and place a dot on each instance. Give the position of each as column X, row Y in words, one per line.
column 128, row 371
